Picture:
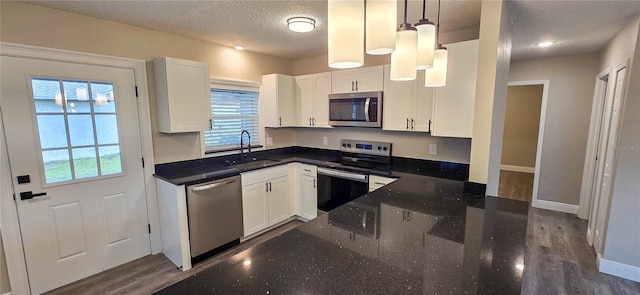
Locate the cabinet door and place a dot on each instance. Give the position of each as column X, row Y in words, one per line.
column 454, row 103
column 321, row 91
column 370, row 79
column 343, row 81
column 255, row 215
column 397, row 98
column 286, row 101
column 422, row 105
column 304, row 100
column 308, row 197
column 182, row 89
column 279, row 200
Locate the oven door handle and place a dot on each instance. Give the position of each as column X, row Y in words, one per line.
column 366, row 109
column 344, row 175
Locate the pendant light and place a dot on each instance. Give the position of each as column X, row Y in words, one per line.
column 346, row 33
column 437, row 76
column 426, row 40
column 404, row 60
column 381, row 20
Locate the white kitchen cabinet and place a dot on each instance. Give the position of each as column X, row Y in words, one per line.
column 408, row 105
column 174, row 224
column 308, row 193
column 454, row 103
column 265, row 198
column 311, row 92
column 357, row 80
column 277, row 100
column 182, row 95
column 376, row 182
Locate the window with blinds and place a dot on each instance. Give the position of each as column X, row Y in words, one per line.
column 231, row 112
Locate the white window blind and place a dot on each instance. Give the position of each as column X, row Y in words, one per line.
column 231, row 112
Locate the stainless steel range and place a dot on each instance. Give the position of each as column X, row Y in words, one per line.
column 348, row 178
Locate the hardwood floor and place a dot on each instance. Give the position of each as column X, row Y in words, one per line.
column 515, row 185
column 558, row 260
column 154, row 272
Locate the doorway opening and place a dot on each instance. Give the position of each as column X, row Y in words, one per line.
column 522, row 140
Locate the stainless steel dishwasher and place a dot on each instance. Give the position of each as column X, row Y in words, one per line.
column 215, row 214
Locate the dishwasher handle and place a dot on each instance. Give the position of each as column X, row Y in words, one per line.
column 212, row 185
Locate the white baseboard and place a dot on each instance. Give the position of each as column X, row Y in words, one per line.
column 618, row 269
column 518, row 168
column 8, row 293
column 555, row 206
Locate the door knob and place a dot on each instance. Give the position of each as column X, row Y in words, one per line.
column 30, row 195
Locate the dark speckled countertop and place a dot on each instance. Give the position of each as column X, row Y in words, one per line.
column 418, row 235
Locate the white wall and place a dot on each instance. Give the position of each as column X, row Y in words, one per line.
column 622, row 240
column 491, row 94
column 4, row 277
column 571, row 85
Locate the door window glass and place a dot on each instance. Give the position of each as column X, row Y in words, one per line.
column 76, row 143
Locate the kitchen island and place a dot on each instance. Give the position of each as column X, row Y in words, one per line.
column 418, row 235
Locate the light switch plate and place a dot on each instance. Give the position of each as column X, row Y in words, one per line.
column 325, row 140
column 433, row 149
column 269, row 141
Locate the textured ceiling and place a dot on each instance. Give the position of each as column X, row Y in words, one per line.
column 577, row 26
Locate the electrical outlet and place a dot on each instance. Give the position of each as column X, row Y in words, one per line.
column 269, row 141
column 325, row 140
column 433, row 149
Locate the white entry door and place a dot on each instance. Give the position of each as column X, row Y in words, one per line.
column 74, row 149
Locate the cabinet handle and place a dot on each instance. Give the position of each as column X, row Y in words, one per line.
column 429, row 125
column 310, row 121
column 404, row 215
column 270, row 186
column 411, row 124
column 424, row 238
column 210, row 124
column 266, row 184
column 306, row 170
column 352, row 86
column 356, row 90
column 280, row 121
column 314, row 122
column 408, row 216
column 379, row 183
column 407, row 123
column 314, row 183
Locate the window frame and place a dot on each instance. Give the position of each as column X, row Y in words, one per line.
column 235, row 85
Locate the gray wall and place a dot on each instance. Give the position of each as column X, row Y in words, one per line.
column 571, row 85
column 622, row 241
column 521, row 124
column 4, row 276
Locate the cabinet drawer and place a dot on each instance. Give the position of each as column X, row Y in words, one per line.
column 308, row 170
column 262, row 175
column 376, row 182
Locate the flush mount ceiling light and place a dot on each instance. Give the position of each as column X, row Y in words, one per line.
column 437, row 75
column 239, row 47
column 345, row 25
column 545, row 44
column 404, row 60
column 380, row 26
column 301, row 24
column 426, row 40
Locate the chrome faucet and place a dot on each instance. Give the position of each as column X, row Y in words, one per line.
column 242, row 144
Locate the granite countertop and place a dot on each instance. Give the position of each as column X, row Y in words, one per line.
column 418, row 235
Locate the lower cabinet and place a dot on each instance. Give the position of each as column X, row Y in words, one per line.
column 265, row 198
column 308, row 192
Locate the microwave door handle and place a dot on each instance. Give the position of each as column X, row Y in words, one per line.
column 366, row 109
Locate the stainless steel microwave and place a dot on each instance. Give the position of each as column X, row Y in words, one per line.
column 357, row 109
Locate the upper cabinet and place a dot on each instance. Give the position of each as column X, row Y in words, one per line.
column 182, row 95
column 357, row 80
column 454, row 103
column 278, row 100
column 312, row 92
column 408, row 105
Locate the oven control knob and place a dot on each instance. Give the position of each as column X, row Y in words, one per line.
column 384, row 148
column 379, row 148
column 344, row 145
column 349, row 145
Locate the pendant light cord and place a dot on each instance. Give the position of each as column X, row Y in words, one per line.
column 405, row 11
column 438, row 28
column 424, row 8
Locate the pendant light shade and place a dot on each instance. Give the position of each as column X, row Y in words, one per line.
column 426, row 43
column 437, row 76
column 346, row 33
column 381, row 23
column 404, row 59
